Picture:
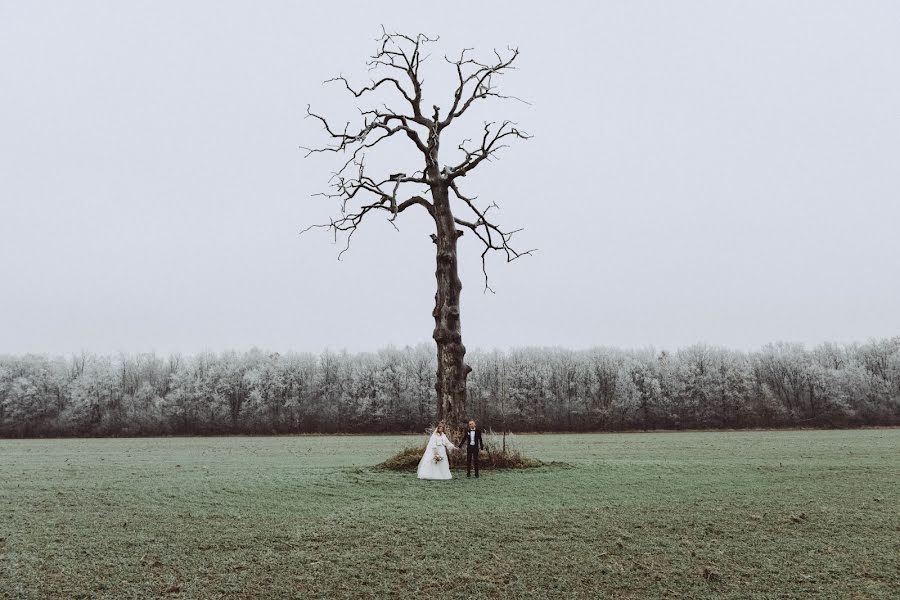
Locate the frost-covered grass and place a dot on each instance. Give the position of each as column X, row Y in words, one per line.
column 697, row 515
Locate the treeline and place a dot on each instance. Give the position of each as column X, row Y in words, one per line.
column 534, row 389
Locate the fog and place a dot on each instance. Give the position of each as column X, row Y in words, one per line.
column 701, row 172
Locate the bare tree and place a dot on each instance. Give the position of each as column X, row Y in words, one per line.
column 396, row 69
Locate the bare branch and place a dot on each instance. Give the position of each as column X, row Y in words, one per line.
column 396, row 65
column 476, row 81
column 349, row 221
column 491, row 143
column 492, row 237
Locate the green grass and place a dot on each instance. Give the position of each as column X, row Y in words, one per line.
column 684, row 515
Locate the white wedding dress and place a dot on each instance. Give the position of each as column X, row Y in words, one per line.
column 439, row 445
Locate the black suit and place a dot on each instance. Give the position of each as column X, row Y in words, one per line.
column 472, row 450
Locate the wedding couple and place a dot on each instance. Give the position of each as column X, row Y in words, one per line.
column 435, row 462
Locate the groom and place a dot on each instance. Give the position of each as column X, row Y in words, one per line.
column 473, row 443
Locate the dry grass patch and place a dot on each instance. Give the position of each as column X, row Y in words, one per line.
column 498, row 454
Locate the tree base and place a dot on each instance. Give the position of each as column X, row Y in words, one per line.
column 408, row 460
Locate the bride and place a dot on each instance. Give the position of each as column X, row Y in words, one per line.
column 435, row 463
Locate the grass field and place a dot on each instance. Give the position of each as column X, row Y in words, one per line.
column 684, row 515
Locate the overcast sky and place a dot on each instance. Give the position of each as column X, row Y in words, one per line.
column 719, row 172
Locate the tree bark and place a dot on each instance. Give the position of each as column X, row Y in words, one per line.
column 452, row 370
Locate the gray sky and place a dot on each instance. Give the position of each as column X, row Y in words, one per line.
column 724, row 172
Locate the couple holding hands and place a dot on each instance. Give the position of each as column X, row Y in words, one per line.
column 435, row 463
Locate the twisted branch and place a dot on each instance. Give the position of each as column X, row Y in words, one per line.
column 491, row 235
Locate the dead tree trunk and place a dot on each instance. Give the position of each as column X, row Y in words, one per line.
column 452, row 370
column 395, row 67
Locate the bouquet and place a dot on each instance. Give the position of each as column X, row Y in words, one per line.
column 437, row 458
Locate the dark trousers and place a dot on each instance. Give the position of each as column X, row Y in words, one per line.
column 471, row 457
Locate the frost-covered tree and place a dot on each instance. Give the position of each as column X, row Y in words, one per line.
column 524, row 389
